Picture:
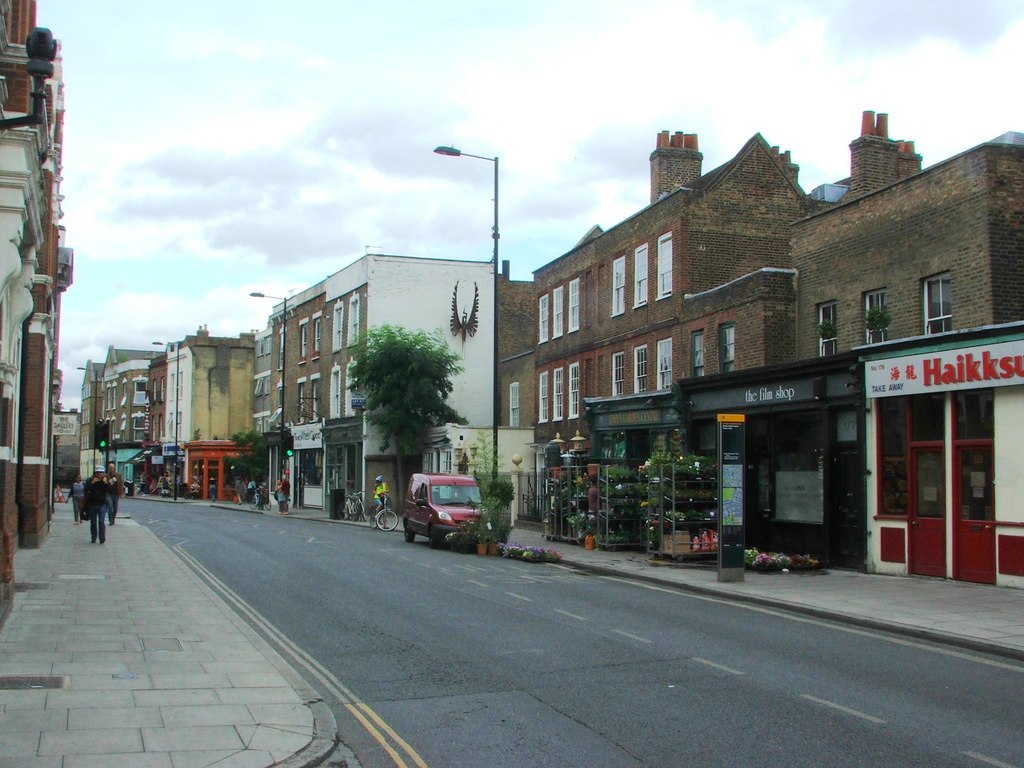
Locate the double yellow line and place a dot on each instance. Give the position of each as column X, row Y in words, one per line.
column 400, row 751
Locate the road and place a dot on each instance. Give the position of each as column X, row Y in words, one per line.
column 432, row 658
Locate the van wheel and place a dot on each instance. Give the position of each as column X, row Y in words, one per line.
column 410, row 534
column 434, row 540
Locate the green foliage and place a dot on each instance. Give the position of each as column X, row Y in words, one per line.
column 827, row 330
column 497, row 491
column 877, row 318
column 406, row 378
column 252, row 458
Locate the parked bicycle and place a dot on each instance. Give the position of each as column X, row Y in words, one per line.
column 258, row 499
column 386, row 519
column 354, row 509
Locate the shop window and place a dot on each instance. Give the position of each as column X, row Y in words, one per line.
column 975, row 418
column 927, row 417
column 938, row 304
column 799, row 475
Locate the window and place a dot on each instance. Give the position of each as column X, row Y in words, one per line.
column 876, row 317
column 353, row 320
column 557, row 393
column 339, row 325
column 574, row 391
column 665, row 266
column 640, row 276
column 139, row 428
column 697, row 354
column 618, row 373
column 938, row 304
column 665, row 363
column 349, row 395
column 640, row 369
column 827, row 329
column 574, row 305
column 727, row 347
column 303, row 338
column 556, row 312
column 542, row 397
column 314, row 397
column 141, row 396
column 542, row 319
column 280, row 347
column 337, row 392
column 303, row 404
column 619, row 286
column 317, row 331
column 513, row 404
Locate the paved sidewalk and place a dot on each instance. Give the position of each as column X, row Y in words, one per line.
column 117, row 656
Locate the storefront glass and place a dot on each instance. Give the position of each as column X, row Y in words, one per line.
column 799, row 476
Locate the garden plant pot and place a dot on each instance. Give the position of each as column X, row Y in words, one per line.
column 492, row 548
column 481, row 548
column 590, row 541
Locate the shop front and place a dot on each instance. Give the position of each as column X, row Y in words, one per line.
column 945, row 457
column 210, row 468
column 627, row 430
column 804, row 487
column 307, row 441
column 343, row 454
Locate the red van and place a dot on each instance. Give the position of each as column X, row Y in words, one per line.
column 435, row 505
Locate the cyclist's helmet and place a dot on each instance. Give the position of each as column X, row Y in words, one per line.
column 379, row 478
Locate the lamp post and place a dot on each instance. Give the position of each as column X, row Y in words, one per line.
column 177, row 397
column 496, row 394
column 284, row 360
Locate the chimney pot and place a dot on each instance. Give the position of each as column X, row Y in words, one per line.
column 662, row 140
column 867, row 123
column 882, row 126
column 690, row 141
column 677, row 139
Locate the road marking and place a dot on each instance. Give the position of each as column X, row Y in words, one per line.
column 721, row 667
column 479, row 583
column 632, row 637
column 841, row 708
column 989, row 760
column 570, row 615
column 524, row 598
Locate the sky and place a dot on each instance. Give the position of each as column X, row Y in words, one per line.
column 213, row 148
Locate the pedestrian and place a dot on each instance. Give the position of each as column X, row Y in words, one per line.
column 77, row 498
column 284, row 489
column 213, row 489
column 97, row 490
column 116, row 484
column 239, row 489
column 250, row 489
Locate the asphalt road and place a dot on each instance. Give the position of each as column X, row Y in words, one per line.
column 433, row 658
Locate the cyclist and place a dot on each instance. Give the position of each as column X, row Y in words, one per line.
column 380, row 490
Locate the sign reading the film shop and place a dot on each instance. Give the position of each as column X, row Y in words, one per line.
column 987, row 365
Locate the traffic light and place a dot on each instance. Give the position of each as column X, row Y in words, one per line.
column 101, row 435
column 289, row 446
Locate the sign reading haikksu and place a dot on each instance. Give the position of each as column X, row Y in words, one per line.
column 987, row 365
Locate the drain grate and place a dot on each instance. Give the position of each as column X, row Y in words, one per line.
column 28, row 586
column 28, row 682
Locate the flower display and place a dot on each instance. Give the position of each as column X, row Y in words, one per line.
column 777, row 561
column 530, row 554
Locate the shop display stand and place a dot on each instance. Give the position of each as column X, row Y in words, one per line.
column 622, row 518
column 567, row 495
column 684, row 505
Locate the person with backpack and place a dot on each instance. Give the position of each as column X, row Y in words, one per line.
column 97, row 491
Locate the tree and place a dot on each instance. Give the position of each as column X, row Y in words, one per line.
column 406, row 377
column 252, row 454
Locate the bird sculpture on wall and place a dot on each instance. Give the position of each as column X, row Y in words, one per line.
column 465, row 325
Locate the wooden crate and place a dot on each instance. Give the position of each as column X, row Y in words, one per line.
column 676, row 544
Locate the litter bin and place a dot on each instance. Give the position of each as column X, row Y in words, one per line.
column 337, row 503
column 129, row 489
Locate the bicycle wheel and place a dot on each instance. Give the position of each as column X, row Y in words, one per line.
column 387, row 520
column 254, row 501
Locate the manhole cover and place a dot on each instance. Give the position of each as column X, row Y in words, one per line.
column 26, row 682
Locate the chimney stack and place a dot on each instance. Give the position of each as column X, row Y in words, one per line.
column 675, row 162
column 876, row 161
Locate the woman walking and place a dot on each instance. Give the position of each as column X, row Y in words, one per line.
column 77, row 498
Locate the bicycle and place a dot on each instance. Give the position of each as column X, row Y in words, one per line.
column 385, row 519
column 258, row 500
column 354, row 506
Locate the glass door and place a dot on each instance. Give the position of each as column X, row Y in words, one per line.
column 927, row 516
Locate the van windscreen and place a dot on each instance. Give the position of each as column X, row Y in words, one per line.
column 456, row 494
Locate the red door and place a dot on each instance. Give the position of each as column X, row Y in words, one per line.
column 975, row 555
column 927, row 513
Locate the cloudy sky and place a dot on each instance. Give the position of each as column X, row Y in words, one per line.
column 214, row 148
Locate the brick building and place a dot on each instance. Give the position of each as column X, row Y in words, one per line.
column 35, row 270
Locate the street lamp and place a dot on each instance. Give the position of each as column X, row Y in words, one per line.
column 177, row 414
column 284, row 360
column 496, row 395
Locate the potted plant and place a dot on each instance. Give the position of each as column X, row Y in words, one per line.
column 463, row 540
column 827, row 330
column 877, row 320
